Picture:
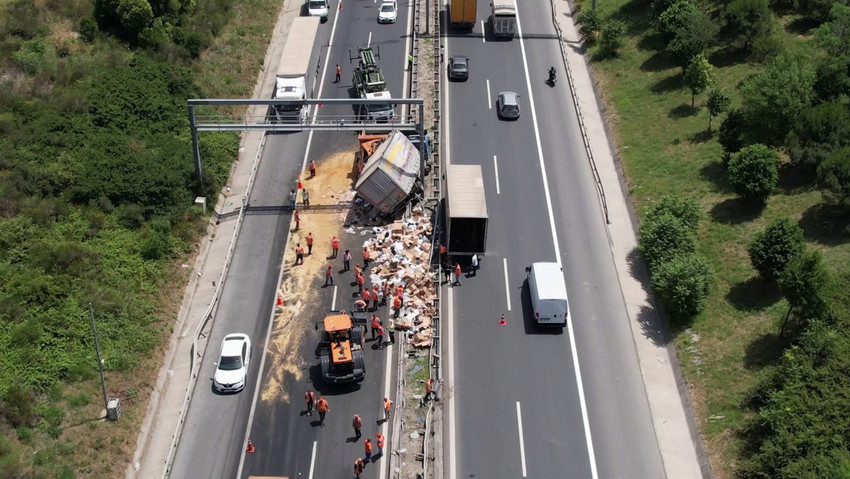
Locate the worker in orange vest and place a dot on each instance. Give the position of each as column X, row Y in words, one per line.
column 309, row 243
column 357, row 423
column 299, row 254
column 429, row 390
column 323, row 408
column 380, row 444
column 367, row 296
column 334, row 246
column 376, row 323
column 360, row 282
column 297, row 220
column 400, row 293
column 388, row 405
column 397, row 305
column 338, row 73
column 310, row 399
column 375, row 294
column 367, row 446
column 312, row 168
column 358, row 467
column 329, row 276
column 381, row 336
column 458, row 272
column 365, row 257
column 357, row 269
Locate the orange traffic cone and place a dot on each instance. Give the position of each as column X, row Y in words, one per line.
column 340, row 5
column 279, row 301
column 502, row 321
column 250, row 447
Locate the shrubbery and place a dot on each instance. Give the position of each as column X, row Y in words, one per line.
column 754, row 172
column 682, row 283
column 772, row 249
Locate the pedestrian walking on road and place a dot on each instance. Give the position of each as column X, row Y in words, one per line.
column 360, row 282
column 338, row 73
column 297, row 218
column 430, row 389
column 310, row 399
column 365, row 257
column 323, row 408
column 357, row 269
column 346, row 260
column 474, row 264
column 309, row 243
column 367, row 447
column 357, row 423
column 381, row 337
column 397, row 306
column 380, row 444
column 305, row 198
column 312, row 168
column 376, row 323
column 410, row 60
column 358, row 467
column 292, row 196
column 329, row 276
column 334, row 246
column 391, row 330
column 375, row 293
column 388, row 405
column 385, row 291
column 458, row 272
column 442, row 52
column 367, row 296
column 299, row 254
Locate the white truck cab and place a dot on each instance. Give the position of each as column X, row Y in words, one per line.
column 548, row 294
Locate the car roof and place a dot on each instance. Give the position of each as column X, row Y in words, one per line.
column 509, row 96
column 232, row 344
column 460, row 58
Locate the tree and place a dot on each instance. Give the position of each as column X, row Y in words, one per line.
column 612, row 37
column 732, row 133
column 832, row 78
column 818, row 10
column 749, row 20
column 754, row 172
column 805, row 284
column 591, row 23
column 699, row 75
column 675, row 17
column 773, row 98
column 135, row 15
column 682, row 284
column 834, row 175
column 695, row 36
column 818, row 131
column 662, row 237
column 772, row 249
column 834, row 35
column 685, row 208
column 717, row 103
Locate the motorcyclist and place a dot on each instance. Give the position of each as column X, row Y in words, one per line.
column 552, row 73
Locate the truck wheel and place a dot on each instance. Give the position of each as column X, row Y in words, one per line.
column 356, row 336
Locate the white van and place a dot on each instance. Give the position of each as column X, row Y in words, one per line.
column 548, row 294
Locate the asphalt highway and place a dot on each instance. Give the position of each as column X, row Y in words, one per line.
column 289, row 443
column 528, row 402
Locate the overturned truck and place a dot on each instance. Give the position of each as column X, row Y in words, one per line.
column 391, row 174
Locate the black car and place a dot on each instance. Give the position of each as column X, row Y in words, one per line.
column 458, row 68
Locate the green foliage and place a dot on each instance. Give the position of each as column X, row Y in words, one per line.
column 612, row 37
column 817, row 10
column 682, row 284
column 732, row 135
column 766, row 47
column 664, row 236
column 660, row 6
column 134, row 15
column 834, row 176
column 832, row 78
column 748, row 20
column 834, row 36
column 699, row 75
column 805, row 284
column 817, row 132
column 684, row 208
column 718, row 102
column 754, row 172
column 772, row 249
column 773, row 98
column 695, row 36
column 22, row 19
column 88, row 29
column 18, row 403
column 591, row 23
column 36, row 56
column 675, row 17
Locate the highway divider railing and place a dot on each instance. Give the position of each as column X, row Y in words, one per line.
column 584, row 136
column 209, row 314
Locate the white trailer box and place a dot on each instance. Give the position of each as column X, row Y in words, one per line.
column 291, row 79
column 390, row 174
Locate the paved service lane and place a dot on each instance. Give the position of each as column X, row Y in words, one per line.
column 536, row 369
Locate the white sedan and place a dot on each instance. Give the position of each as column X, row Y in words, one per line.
column 388, row 12
column 232, row 366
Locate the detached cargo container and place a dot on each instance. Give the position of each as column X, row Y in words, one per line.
column 462, row 13
column 390, row 174
column 467, row 210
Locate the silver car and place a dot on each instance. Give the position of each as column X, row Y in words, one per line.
column 507, row 105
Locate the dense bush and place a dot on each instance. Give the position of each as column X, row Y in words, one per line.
column 834, row 176
column 772, row 249
column 682, row 284
column 692, row 38
column 754, row 172
column 591, row 23
column 748, row 20
column 675, row 17
column 684, row 208
column 612, row 37
column 664, row 236
column 818, row 131
column 805, row 283
column 717, row 103
column 732, row 134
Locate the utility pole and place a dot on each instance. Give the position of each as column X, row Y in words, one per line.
column 99, row 361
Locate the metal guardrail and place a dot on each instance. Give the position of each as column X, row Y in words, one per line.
column 584, row 137
column 210, row 312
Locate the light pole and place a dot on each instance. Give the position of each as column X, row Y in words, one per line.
column 99, row 361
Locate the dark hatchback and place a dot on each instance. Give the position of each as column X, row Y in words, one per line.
column 458, row 68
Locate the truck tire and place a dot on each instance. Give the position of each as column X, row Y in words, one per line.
column 326, row 368
column 356, row 337
column 359, row 365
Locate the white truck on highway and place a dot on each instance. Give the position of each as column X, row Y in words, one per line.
column 291, row 80
column 503, row 18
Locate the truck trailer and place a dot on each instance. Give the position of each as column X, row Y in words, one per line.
column 391, row 174
column 466, row 214
column 291, row 79
column 462, row 13
column 503, row 18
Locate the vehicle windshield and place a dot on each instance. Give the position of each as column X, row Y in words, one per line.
column 460, row 67
column 387, row 8
column 510, row 108
column 379, row 107
column 316, row 4
column 230, row 363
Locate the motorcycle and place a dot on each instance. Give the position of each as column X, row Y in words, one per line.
column 552, row 76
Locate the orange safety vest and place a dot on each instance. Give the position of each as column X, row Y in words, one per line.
column 365, row 254
column 335, row 243
column 442, row 249
column 376, row 321
column 360, row 279
column 299, row 250
column 429, row 385
column 368, row 446
column 309, row 240
column 380, row 440
column 400, row 291
column 375, row 292
column 309, row 396
column 329, row 272
column 387, row 404
column 397, row 302
column 458, row 272
column 366, row 295
column 322, row 405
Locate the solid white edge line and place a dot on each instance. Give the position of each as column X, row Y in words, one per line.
column 507, row 286
column 386, row 424
column 407, row 49
column 280, row 275
column 585, row 420
column 489, row 101
column 451, row 397
column 521, row 440
column 483, row 32
column 369, row 42
column 313, row 460
column 496, row 167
